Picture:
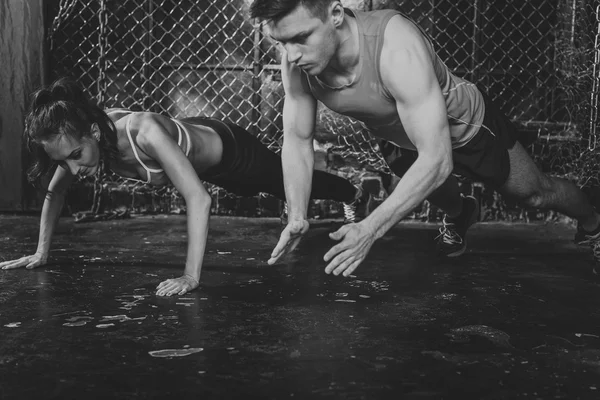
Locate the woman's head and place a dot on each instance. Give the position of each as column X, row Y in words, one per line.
column 63, row 127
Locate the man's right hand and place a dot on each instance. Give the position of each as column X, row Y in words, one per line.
column 29, row 262
column 289, row 239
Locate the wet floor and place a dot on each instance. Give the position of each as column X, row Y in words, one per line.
column 516, row 317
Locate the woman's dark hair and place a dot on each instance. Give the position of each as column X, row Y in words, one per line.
column 62, row 108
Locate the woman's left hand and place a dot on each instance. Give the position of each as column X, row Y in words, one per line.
column 177, row 286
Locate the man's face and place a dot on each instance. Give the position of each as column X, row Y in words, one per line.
column 307, row 41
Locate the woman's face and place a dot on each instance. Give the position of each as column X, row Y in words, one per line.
column 78, row 156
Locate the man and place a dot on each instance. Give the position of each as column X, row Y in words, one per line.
column 380, row 67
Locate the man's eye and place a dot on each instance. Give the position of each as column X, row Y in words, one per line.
column 76, row 156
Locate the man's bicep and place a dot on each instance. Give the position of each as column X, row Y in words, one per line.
column 426, row 127
column 408, row 73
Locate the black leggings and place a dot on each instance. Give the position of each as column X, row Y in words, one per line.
column 248, row 167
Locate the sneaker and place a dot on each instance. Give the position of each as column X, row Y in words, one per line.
column 592, row 239
column 452, row 238
column 359, row 208
column 583, row 237
column 283, row 217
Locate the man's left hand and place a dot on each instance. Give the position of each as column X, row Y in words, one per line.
column 346, row 256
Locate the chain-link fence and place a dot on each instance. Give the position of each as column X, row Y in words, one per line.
column 538, row 59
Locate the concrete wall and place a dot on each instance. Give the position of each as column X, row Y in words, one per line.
column 21, row 55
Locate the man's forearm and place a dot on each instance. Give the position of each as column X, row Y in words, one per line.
column 421, row 179
column 297, row 158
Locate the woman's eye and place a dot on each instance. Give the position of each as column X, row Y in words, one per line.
column 76, row 156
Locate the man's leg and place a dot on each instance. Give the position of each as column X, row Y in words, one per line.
column 527, row 184
column 460, row 211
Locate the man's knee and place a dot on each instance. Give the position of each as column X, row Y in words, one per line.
column 541, row 195
column 534, row 200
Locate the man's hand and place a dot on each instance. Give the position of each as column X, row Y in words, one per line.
column 346, row 256
column 289, row 239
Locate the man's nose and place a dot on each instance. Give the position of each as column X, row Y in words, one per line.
column 293, row 54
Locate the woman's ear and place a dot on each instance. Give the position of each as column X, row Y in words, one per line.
column 95, row 130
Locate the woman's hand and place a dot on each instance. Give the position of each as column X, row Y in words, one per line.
column 29, row 262
column 177, row 286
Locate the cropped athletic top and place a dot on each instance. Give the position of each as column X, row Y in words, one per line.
column 368, row 100
column 181, row 130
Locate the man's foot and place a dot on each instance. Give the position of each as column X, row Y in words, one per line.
column 452, row 238
column 583, row 237
column 359, row 208
column 592, row 239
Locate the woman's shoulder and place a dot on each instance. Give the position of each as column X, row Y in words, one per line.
column 134, row 119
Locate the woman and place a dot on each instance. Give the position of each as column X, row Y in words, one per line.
column 65, row 129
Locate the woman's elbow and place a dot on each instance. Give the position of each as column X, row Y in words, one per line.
column 200, row 199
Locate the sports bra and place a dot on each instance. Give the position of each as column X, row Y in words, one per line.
column 149, row 171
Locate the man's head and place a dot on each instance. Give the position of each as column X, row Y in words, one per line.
column 306, row 29
column 273, row 10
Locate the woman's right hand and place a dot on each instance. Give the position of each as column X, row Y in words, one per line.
column 29, row 262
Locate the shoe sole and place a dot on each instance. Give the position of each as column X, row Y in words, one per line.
column 584, row 242
column 472, row 222
column 460, row 252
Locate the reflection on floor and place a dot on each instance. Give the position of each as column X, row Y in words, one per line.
column 516, row 317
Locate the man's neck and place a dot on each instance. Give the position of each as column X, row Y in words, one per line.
column 342, row 69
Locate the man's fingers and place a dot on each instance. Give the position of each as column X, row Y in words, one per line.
column 338, row 260
column 349, row 260
column 335, row 250
column 293, row 244
column 281, row 244
column 352, row 267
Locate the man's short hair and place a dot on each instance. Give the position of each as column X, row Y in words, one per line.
column 273, row 10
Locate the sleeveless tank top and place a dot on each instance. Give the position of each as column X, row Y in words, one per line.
column 367, row 99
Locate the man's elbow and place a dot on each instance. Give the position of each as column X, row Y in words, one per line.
column 445, row 167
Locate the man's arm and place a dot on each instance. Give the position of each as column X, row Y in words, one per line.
column 297, row 153
column 407, row 71
column 297, row 157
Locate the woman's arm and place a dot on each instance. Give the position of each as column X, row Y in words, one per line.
column 53, row 203
column 154, row 140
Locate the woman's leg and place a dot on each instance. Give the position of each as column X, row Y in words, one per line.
column 258, row 169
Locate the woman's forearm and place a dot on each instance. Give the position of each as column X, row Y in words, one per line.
column 198, row 214
column 51, row 209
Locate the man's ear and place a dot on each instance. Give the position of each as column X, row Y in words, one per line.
column 337, row 13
